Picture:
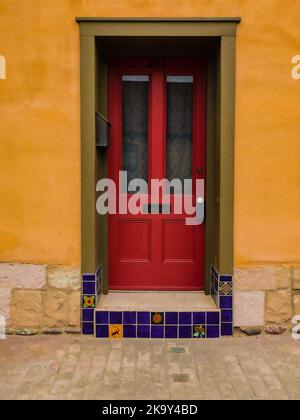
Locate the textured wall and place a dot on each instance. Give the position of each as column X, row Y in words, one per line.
column 40, row 125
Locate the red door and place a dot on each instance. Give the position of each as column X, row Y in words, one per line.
column 157, row 112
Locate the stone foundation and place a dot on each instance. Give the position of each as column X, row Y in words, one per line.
column 40, row 297
column 266, row 295
column 49, row 297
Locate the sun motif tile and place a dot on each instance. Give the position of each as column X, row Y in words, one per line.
column 157, row 318
column 89, row 301
column 116, row 331
column 225, row 289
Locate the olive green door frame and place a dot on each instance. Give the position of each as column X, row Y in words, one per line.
column 220, row 134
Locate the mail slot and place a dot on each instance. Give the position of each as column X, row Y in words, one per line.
column 157, row 209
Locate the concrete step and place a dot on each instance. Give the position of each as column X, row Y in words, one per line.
column 164, row 315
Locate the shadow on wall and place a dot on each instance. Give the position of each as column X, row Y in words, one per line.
column 2, row 67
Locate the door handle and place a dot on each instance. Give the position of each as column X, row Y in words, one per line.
column 200, row 210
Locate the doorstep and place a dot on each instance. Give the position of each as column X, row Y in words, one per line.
column 159, row 315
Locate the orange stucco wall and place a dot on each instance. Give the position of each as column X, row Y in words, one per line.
column 40, row 124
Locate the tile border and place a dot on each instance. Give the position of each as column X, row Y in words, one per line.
column 158, row 325
column 91, row 289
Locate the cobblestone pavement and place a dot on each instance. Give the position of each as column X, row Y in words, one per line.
column 76, row 367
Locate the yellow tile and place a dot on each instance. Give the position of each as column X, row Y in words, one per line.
column 116, row 331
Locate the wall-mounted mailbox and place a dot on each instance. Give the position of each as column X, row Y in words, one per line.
column 102, row 131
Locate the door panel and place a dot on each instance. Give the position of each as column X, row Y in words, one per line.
column 134, row 240
column 158, row 131
column 174, row 250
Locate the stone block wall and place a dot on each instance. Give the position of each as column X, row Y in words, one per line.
column 49, row 297
column 39, row 296
column 266, row 295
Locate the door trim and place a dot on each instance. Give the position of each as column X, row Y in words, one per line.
column 220, row 133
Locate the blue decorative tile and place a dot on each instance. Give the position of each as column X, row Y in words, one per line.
column 99, row 271
column 225, row 288
column 185, row 331
column 143, row 331
column 213, row 318
column 199, row 318
column 226, row 316
column 171, row 318
column 143, row 318
column 102, row 331
column 89, row 277
column 226, row 278
column 185, row 318
column 129, row 317
column 129, row 331
column 88, row 315
column 88, row 328
column 214, row 272
column 212, row 331
column 171, row 332
column 226, row 302
column 157, row 318
column 226, row 330
column 101, row 317
column 115, row 318
column 89, row 288
column 157, row 331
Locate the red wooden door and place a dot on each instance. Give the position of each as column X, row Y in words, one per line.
column 157, row 112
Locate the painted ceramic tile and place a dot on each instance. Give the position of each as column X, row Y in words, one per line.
column 171, row 331
column 185, row 331
column 226, row 278
column 115, row 317
column 185, row 318
column 214, row 272
column 102, row 331
column 198, row 331
column 213, row 318
column 115, row 331
column 99, row 271
column 101, row 317
column 88, row 315
column 143, row 331
column 212, row 331
column 89, row 288
column 143, row 318
column 89, row 277
column 129, row 317
column 157, row 331
column 199, row 318
column 171, row 318
column 157, row 318
column 226, row 330
column 226, row 302
column 225, row 289
column 88, row 328
column 226, row 316
column 89, row 301
column 129, row 331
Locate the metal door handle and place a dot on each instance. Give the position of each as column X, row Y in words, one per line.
column 200, row 204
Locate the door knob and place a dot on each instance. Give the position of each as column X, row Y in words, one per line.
column 200, row 210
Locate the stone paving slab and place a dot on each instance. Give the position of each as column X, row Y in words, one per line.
column 76, row 367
